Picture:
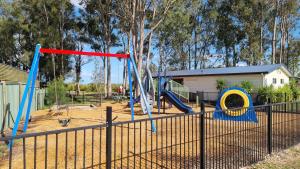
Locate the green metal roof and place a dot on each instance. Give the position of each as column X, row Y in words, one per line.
column 11, row 74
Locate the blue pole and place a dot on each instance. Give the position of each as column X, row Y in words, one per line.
column 143, row 93
column 19, row 115
column 130, row 89
column 31, row 94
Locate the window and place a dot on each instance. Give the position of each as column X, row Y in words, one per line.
column 282, row 81
column 274, row 80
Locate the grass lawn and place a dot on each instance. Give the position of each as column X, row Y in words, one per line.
column 288, row 159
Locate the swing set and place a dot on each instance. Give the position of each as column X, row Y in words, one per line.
column 30, row 85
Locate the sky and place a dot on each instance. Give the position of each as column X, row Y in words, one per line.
column 117, row 66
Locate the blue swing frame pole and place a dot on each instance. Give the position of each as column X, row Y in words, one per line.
column 24, row 97
column 31, row 94
column 143, row 93
column 130, row 89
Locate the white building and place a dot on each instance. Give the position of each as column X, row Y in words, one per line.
column 206, row 79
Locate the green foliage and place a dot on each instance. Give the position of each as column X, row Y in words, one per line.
column 248, row 86
column 221, row 84
column 70, row 86
column 288, row 92
column 283, row 94
column 265, row 93
column 295, row 89
column 44, row 22
column 56, row 88
column 91, row 87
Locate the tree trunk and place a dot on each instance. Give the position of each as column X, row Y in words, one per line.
column 274, row 35
column 283, row 40
column 105, row 75
column 109, row 91
column 235, row 59
column 78, row 61
column 261, row 47
column 196, row 58
column 125, row 69
column 227, row 57
column 141, row 45
column 62, row 11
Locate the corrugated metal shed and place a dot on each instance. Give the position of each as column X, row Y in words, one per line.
column 11, row 74
column 12, row 94
column 226, row 71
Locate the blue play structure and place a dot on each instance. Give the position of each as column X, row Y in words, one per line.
column 170, row 96
column 246, row 113
column 30, row 85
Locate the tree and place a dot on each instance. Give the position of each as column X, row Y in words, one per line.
column 143, row 17
column 101, row 25
column 294, row 57
column 32, row 22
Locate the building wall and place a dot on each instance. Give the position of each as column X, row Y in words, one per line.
column 281, row 77
column 209, row 83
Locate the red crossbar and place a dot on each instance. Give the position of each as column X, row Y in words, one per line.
column 73, row 52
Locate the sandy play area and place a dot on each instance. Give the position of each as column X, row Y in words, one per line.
column 175, row 144
column 56, row 149
column 84, row 115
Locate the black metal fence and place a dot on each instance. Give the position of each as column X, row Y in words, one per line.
column 181, row 141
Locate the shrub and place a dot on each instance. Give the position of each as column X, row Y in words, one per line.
column 295, row 89
column 60, row 92
column 83, row 87
column 248, row 86
column 283, row 94
column 70, row 86
column 221, row 85
column 265, row 93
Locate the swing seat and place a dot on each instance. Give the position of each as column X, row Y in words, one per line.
column 64, row 122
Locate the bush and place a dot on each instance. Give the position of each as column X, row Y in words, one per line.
column 221, row 85
column 295, row 89
column 83, row 87
column 70, row 86
column 246, row 85
column 265, row 93
column 284, row 94
column 60, row 92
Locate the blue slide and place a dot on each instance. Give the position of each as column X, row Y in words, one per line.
column 176, row 102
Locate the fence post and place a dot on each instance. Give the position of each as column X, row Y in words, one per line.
column 269, row 128
column 202, row 136
column 285, row 98
column 108, row 136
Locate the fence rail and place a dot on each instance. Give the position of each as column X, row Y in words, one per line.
column 181, row 141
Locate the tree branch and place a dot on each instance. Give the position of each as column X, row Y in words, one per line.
column 161, row 19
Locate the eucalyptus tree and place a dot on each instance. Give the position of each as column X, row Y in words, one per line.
column 32, row 22
column 101, row 26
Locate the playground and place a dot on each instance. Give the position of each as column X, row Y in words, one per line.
column 156, row 128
